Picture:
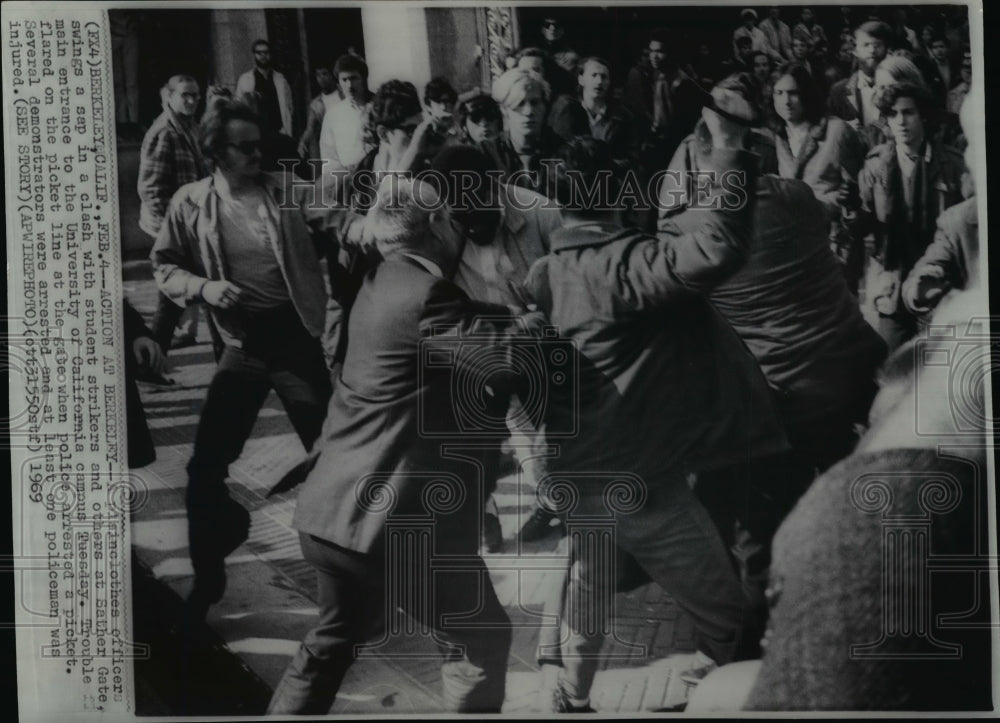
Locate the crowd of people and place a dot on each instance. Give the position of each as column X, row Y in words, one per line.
column 688, row 287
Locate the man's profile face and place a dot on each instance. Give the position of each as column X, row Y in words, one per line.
column 184, row 98
column 325, row 81
column 352, row 85
column 869, row 51
column 262, row 55
column 241, row 155
column 799, row 49
column 657, row 54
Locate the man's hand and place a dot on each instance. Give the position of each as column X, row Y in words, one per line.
column 425, row 140
column 727, row 134
column 221, row 294
column 148, row 354
column 924, row 293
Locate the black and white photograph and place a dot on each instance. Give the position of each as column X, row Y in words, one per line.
column 530, row 359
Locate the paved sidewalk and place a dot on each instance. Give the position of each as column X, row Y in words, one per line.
column 269, row 603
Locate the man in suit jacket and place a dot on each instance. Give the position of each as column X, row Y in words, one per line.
column 396, row 459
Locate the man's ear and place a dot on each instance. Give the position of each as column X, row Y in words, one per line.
column 382, row 132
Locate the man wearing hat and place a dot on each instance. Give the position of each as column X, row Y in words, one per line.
column 749, row 29
column 651, row 410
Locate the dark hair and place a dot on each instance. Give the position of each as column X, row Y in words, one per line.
column 592, row 59
column 531, row 52
column 658, row 35
column 876, row 29
column 212, row 132
column 447, row 173
column 757, row 53
column 939, row 37
column 584, row 162
column 919, row 93
column 813, row 103
column 348, row 63
column 394, row 102
column 439, row 90
column 481, row 104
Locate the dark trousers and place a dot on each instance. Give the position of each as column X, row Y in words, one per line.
column 471, row 629
column 747, row 503
column 278, row 353
column 168, row 315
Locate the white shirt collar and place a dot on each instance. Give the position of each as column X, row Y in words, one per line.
column 432, row 268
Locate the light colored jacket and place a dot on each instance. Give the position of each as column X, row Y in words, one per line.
column 188, row 252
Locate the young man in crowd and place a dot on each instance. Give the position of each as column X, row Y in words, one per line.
column 341, row 139
column 168, row 159
column 853, row 98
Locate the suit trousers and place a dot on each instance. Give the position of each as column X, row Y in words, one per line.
column 360, row 596
column 672, row 539
column 278, row 353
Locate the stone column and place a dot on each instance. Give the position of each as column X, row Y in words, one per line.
column 233, row 33
column 396, row 44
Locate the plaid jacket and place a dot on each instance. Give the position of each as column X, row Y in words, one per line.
column 169, row 159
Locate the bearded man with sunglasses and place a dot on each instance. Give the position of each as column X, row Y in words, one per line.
column 240, row 242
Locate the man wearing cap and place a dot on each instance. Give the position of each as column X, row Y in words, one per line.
column 758, row 39
column 631, row 304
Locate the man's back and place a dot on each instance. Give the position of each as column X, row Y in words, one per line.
column 386, row 390
column 663, row 387
column 790, row 303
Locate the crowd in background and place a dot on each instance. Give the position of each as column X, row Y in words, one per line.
column 731, row 358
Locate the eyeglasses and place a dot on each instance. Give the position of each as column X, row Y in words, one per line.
column 247, row 148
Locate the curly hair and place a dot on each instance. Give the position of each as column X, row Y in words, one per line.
column 918, row 92
column 212, row 136
column 394, row 102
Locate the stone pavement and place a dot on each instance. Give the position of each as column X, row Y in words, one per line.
column 269, row 603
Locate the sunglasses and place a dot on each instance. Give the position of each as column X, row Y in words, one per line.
column 478, row 116
column 247, row 148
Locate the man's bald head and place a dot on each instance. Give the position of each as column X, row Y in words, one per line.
column 406, row 219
